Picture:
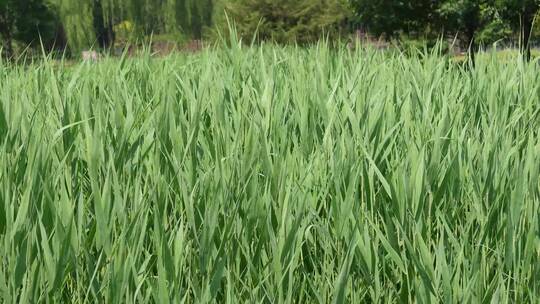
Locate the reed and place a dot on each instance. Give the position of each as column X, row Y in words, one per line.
column 270, row 175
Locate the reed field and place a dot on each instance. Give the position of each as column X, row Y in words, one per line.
column 270, row 175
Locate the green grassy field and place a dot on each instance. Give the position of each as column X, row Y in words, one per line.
column 270, row 175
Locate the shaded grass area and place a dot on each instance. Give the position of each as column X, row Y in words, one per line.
column 270, row 175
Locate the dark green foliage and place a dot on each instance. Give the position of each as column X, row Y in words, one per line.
column 27, row 21
column 284, row 21
column 465, row 17
column 391, row 17
column 520, row 14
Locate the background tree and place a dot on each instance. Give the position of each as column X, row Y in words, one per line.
column 393, row 17
column 8, row 16
column 78, row 22
column 29, row 22
column 287, row 21
column 190, row 17
column 521, row 15
column 91, row 23
column 379, row 17
column 466, row 17
column 103, row 23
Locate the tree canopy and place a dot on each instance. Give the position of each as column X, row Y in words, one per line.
column 26, row 21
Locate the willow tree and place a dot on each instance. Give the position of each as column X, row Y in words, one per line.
column 90, row 23
column 87, row 23
column 76, row 18
column 189, row 17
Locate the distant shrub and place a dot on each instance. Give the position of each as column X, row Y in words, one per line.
column 286, row 21
column 124, row 30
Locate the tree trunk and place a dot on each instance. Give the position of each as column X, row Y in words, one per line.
column 7, row 50
column 60, row 39
column 471, row 28
column 112, row 36
column 472, row 47
column 102, row 27
column 525, row 47
column 7, row 40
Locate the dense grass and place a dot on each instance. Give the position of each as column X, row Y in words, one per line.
column 270, row 175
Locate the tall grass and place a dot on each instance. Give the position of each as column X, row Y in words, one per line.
column 270, row 175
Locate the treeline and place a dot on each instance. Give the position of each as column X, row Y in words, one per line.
column 74, row 25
